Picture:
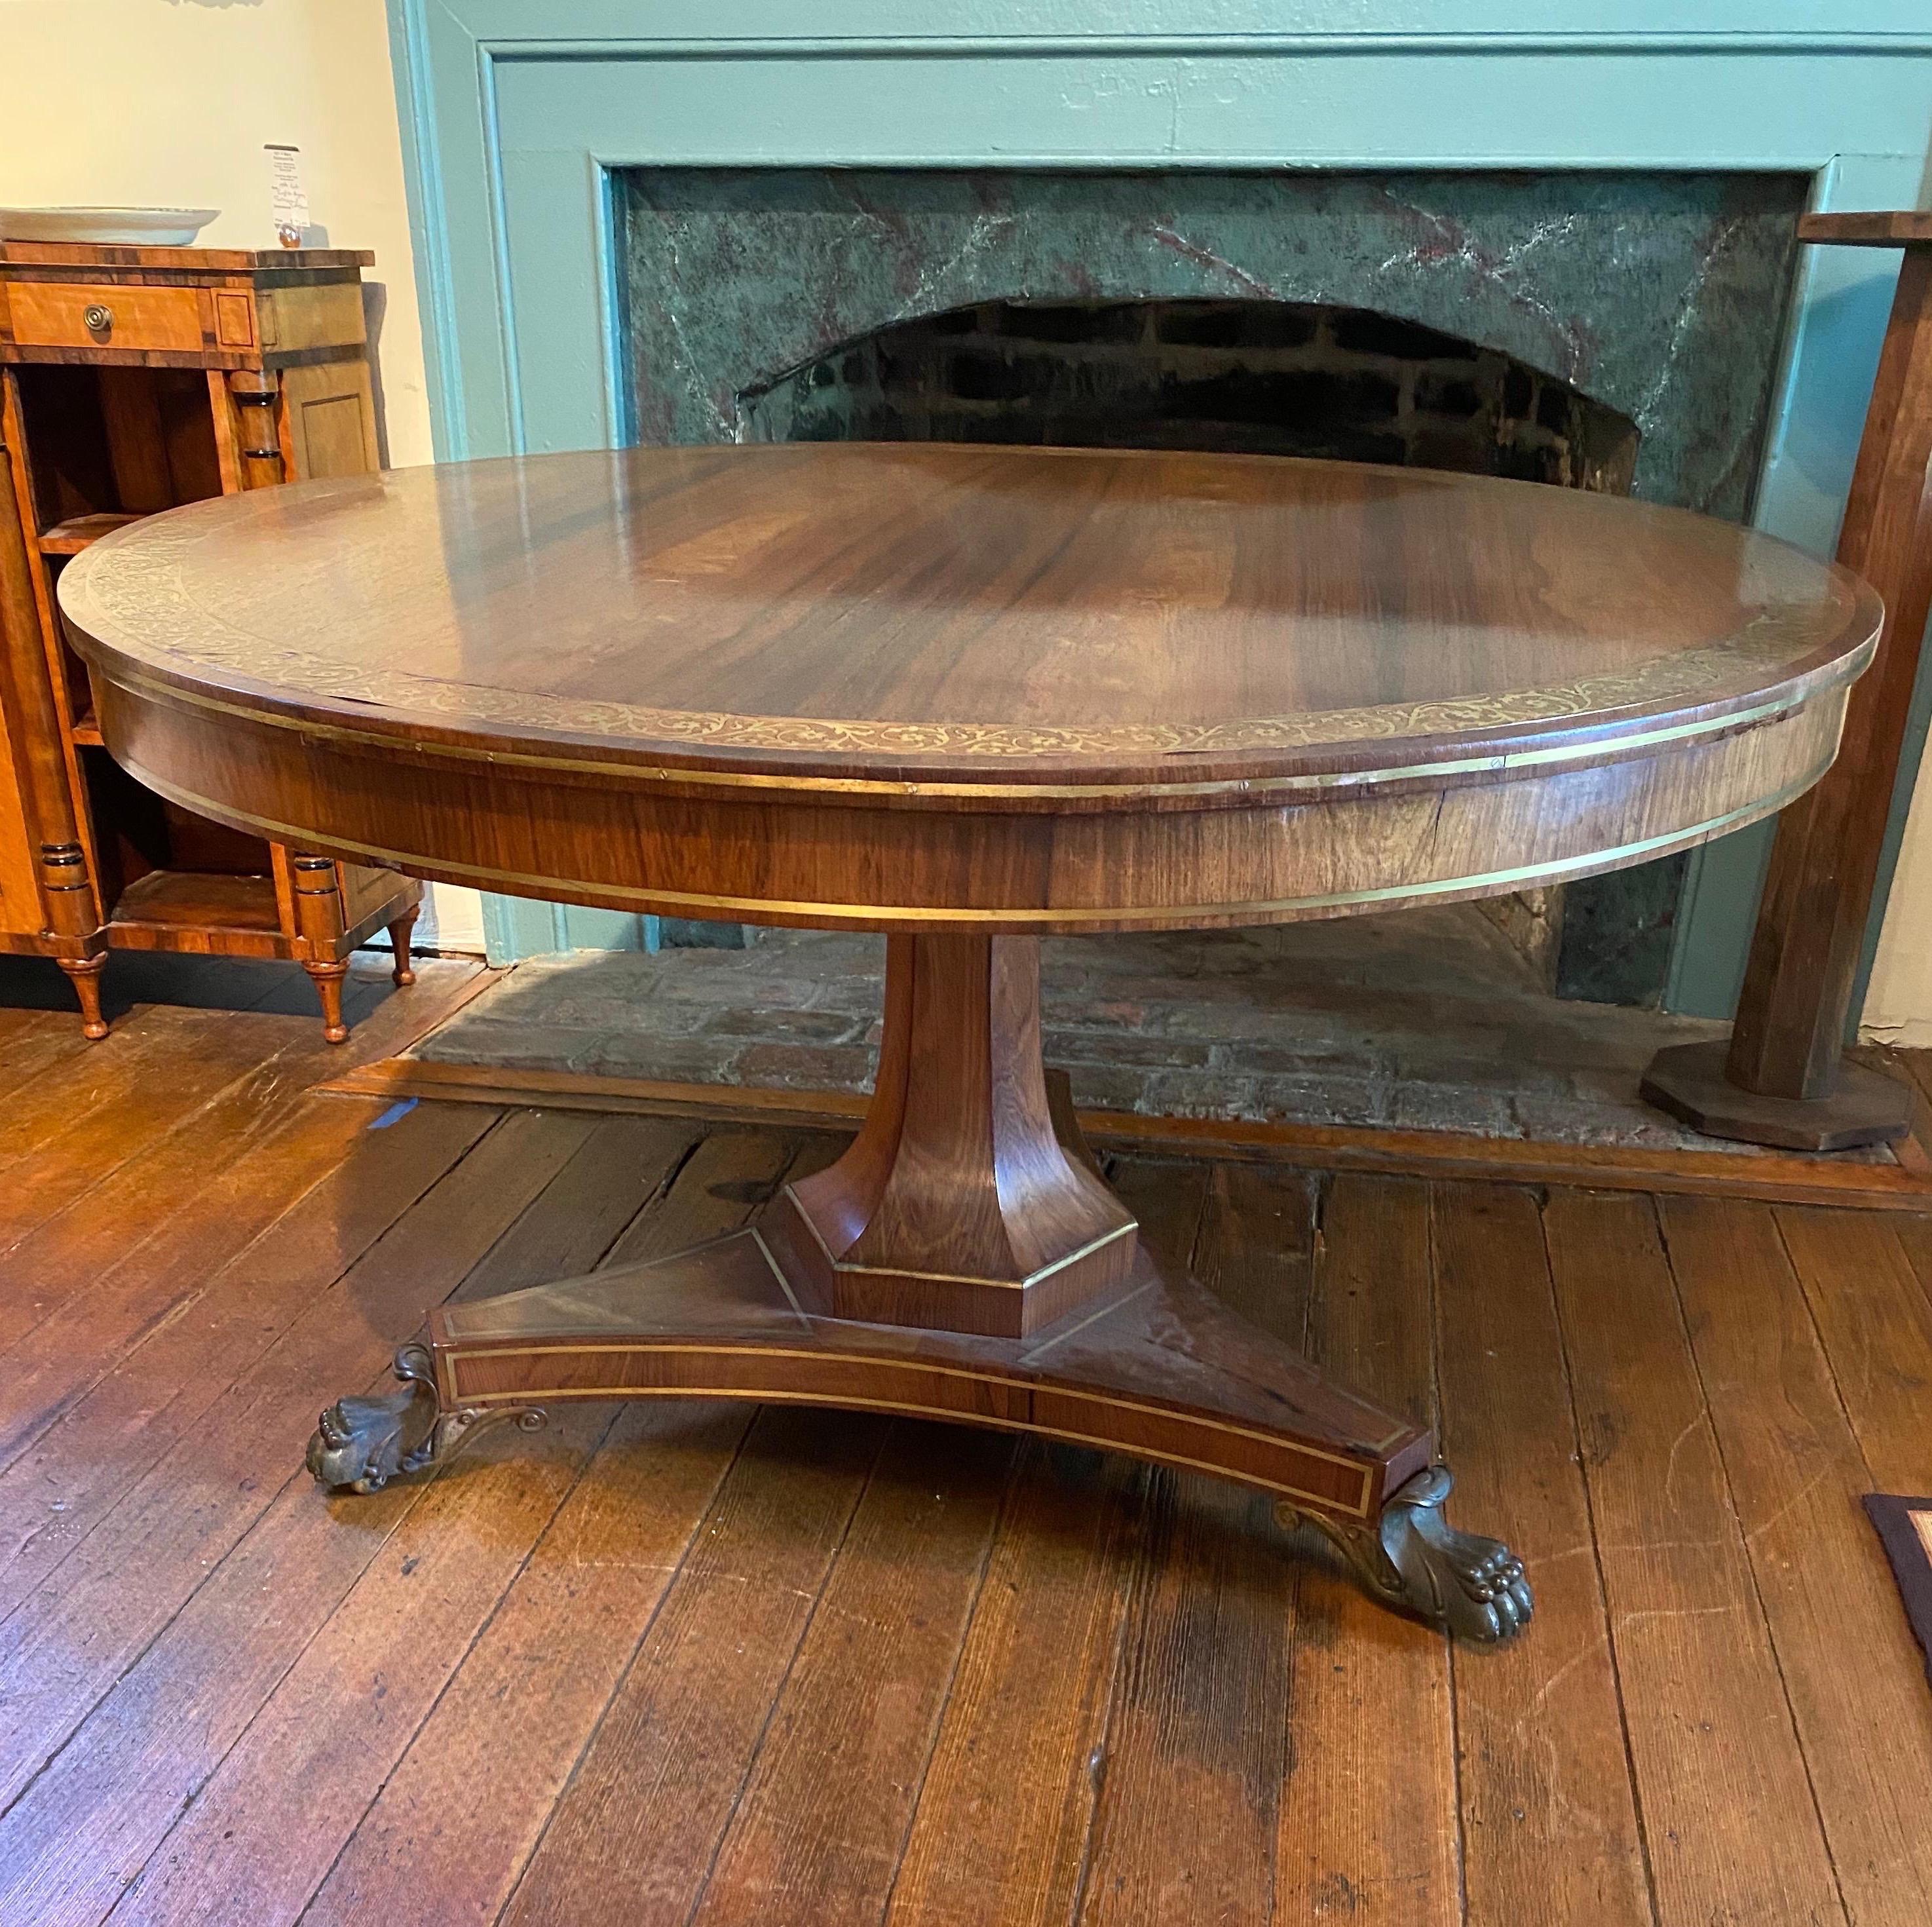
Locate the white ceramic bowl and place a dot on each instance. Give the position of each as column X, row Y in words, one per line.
column 136, row 227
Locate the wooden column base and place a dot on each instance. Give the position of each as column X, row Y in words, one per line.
column 957, row 1207
column 1691, row 1081
column 1137, row 1360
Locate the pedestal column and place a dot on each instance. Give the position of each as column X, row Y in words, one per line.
column 957, row 1208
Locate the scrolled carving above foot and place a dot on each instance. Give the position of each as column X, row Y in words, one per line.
column 362, row 1442
column 1411, row 1558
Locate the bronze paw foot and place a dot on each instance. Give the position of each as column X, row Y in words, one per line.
column 362, row 1443
column 1411, row 1558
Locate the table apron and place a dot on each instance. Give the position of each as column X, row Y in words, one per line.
column 765, row 857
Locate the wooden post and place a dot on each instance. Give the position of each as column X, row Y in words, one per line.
column 258, row 432
column 1783, row 1078
column 66, row 892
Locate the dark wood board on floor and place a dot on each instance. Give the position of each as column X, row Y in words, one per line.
column 614, row 1676
column 1899, row 1181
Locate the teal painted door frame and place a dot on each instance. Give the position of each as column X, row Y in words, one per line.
column 514, row 118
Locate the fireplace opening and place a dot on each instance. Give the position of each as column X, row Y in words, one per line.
column 1260, row 377
column 1223, row 376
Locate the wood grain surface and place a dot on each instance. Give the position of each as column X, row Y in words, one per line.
column 934, row 687
column 1895, row 228
column 868, row 609
column 671, row 1666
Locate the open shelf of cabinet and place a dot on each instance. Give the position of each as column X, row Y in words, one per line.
column 201, row 910
column 77, row 532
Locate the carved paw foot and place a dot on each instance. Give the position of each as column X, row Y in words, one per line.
column 1473, row 1586
column 1413, row 1558
column 362, row 1443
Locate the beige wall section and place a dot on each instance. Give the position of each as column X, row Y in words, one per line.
column 1898, row 1006
column 169, row 103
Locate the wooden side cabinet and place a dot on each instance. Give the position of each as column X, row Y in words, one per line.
column 133, row 380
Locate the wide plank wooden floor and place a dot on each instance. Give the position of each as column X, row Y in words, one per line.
column 703, row 1663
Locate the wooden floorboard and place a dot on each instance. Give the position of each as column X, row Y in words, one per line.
column 1855, row 1680
column 692, row 1661
column 211, row 1568
column 1004, row 1811
column 346, row 1712
column 1873, row 1314
column 531, row 1692
column 1548, row 1808
column 38, row 1045
column 1705, row 1713
column 1380, row 1845
column 52, row 1154
column 1199, row 1721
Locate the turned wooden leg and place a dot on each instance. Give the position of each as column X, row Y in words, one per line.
column 404, row 974
column 255, row 393
column 71, row 915
column 84, row 974
column 327, row 978
column 318, row 924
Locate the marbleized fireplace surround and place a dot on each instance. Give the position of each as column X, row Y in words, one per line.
column 1405, row 232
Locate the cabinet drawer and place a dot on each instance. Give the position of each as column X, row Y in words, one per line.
column 103, row 314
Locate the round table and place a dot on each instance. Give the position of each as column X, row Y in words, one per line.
column 965, row 696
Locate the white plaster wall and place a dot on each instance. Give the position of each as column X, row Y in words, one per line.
column 168, row 103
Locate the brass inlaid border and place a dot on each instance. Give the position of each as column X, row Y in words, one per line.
column 1130, row 1228
column 781, row 1395
column 454, row 1347
column 133, row 586
column 459, row 1348
column 1504, row 762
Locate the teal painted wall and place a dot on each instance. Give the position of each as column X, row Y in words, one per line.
column 514, row 117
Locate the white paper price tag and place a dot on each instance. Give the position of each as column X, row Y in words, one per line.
column 288, row 199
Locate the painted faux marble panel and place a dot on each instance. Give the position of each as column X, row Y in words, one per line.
column 1662, row 295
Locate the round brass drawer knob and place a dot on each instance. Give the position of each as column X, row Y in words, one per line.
column 97, row 318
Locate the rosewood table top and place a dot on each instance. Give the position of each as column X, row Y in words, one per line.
column 906, row 631
column 983, row 615
column 964, row 695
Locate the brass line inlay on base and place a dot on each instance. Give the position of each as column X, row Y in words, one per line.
column 846, row 1269
column 1097, row 1442
column 458, row 1351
